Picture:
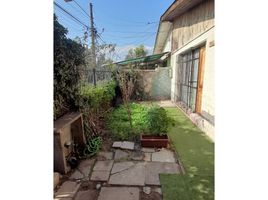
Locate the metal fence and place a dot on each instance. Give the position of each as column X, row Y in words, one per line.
column 102, row 76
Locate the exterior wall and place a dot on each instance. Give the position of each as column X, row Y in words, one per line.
column 154, row 84
column 206, row 121
column 192, row 23
column 167, row 46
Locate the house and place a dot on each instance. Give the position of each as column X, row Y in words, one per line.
column 186, row 30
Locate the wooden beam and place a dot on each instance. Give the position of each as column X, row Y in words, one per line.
column 200, row 79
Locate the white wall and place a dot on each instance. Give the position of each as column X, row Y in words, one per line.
column 167, row 47
column 208, row 84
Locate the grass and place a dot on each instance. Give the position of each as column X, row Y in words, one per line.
column 196, row 151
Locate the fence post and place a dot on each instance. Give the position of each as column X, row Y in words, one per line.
column 94, row 76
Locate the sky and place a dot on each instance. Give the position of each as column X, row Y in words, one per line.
column 124, row 23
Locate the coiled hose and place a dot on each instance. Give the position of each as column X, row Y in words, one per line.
column 92, row 147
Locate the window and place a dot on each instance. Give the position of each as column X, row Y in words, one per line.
column 188, row 77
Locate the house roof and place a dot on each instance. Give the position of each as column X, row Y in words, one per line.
column 177, row 8
column 145, row 59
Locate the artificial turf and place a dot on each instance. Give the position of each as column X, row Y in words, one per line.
column 196, row 152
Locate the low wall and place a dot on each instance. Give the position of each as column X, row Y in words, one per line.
column 153, row 84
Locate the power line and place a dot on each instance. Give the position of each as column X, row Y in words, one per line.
column 81, row 8
column 70, row 20
column 78, row 10
column 70, row 15
column 130, row 36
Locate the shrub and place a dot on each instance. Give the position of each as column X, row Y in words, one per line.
column 94, row 103
column 158, row 121
column 150, row 120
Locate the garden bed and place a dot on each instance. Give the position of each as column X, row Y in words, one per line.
column 145, row 120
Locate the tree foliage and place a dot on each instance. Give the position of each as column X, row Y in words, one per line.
column 104, row 53
column 137, row 52
column 68, row 57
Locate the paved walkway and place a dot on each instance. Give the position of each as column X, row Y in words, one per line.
column 123, row 173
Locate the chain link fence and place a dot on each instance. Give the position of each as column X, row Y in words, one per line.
column 102, row 76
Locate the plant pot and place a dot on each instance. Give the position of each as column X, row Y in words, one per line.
column 154, row 141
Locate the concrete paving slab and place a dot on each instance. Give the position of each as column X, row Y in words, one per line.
column 100, row 175
column 119, row 154
column 117, row 144
column 86, row 195
column 77, row 175
column 106, row 155
column 148, row 150
column 119, row 193
column 153, row 169
column 163, row 155
column 103, row 165
column 67, row 190
column 132, row 176
column 166, row 104
column 86, row 166
column 121, row 166
column 128, row 145
column 147, row 157
column 137, row 155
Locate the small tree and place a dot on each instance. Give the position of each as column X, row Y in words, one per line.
column 127, row 79
column 137, row 52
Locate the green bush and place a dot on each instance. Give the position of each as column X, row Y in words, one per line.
column 149, row 120
column 158, row 121
column 94, row 103
column 98, row 97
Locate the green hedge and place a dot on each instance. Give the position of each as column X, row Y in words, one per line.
column 94, row 103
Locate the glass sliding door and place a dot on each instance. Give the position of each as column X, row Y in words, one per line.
column 188, row 78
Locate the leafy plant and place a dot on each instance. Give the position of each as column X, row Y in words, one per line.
column 158, row 121
column 150, row 120
column 94, row 103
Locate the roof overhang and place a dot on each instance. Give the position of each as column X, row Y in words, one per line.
column 161, row 37
column 145, row 59
column 177, row 8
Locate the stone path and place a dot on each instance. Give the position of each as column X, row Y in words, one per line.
column 123, row 173
column 119, row 193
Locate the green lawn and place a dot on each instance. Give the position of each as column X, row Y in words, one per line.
column 196, row 151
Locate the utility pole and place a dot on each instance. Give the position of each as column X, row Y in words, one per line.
column 92, row 29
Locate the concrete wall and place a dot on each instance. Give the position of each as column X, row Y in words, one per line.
column 168, row 42
column 206, row 121
column 154, row 84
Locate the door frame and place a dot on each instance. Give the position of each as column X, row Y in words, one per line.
column 200, row 79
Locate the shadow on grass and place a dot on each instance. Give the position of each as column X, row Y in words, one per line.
column 196, row 151
column 184, row 187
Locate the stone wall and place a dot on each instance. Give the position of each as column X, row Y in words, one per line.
column 154, row 84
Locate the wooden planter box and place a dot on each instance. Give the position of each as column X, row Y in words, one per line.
column 154, row 141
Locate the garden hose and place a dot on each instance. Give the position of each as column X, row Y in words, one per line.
column 92, row 146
